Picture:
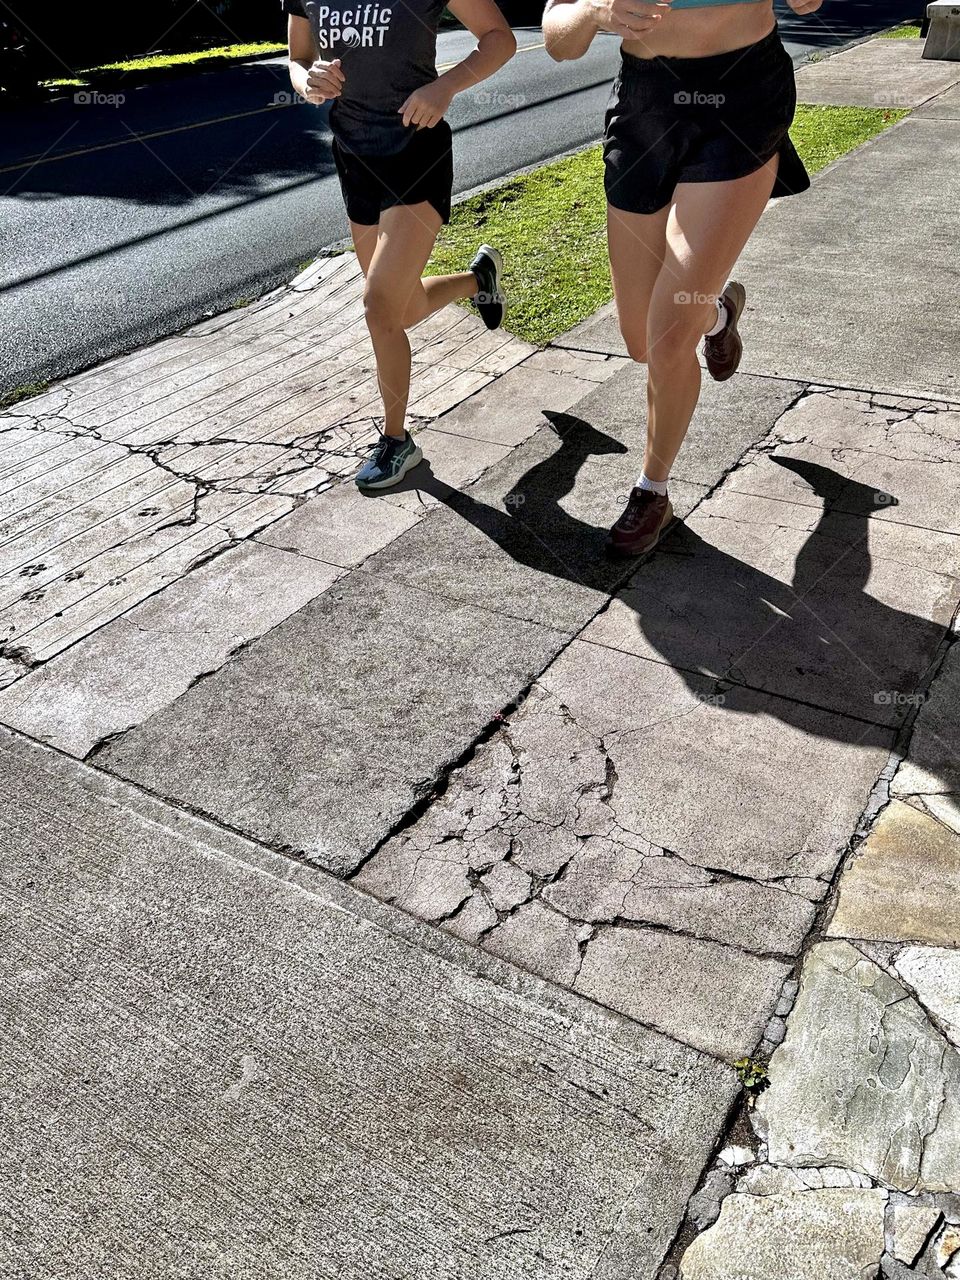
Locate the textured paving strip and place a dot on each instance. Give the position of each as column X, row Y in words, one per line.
column 223, row 1071
column 113, row 484
column 139, row 662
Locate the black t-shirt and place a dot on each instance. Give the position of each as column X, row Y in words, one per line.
column 386, row 51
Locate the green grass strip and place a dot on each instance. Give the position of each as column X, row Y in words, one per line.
column 551, row 224
column 909, row 31
column 165, row 61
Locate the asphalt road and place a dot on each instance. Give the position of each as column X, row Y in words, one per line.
column 124, row 221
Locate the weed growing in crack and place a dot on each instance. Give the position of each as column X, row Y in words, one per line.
column 753, row 1076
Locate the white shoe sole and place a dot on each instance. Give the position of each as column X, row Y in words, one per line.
column 497, row 258
column 415, row 458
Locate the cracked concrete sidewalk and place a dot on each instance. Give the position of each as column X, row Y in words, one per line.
column 391, row 883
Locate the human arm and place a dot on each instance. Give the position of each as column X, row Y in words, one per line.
column 311, row 77
column 569, row 26
column 496, row 45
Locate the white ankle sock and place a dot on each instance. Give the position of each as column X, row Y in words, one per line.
column 721, row 320
column 655, row 486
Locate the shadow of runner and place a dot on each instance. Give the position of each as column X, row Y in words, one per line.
column 533, row 527
column 727, row 622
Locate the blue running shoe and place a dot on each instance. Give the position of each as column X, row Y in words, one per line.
column 389, row 462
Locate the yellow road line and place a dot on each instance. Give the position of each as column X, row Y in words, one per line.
column 31, row 161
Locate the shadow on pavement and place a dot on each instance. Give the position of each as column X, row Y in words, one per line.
column 728, row 628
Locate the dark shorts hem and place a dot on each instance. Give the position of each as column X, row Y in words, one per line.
column 714, row 119
column 421, row 173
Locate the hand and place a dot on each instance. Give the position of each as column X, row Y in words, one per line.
column 805, row 6
column 428, row 105
column 630, row 19
column 324, row 80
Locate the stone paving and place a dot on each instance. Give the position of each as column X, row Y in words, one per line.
column 425, row 871
column 849, row 1164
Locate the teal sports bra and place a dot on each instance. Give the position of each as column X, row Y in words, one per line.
column 703, row 4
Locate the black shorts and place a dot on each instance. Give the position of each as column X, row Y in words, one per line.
column 712, row 119
column 423, row 170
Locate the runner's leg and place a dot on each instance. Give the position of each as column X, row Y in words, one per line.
column 708, row 227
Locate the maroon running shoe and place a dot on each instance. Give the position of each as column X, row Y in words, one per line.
column 724, row 351
column 640, row 527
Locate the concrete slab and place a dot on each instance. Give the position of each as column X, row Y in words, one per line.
column 946, row 106
column 145, row 659
column 929, row 778
column 632, row 970
column 730, row 417
column 510, row 410
column 589, row 365
column 831, row 300
column 527, row 540
column 662, row 851
column 324, row 733
column 119, row 480
column 342, row 527
column 599, row 333
column 213, row 1067
column 876, row 73
column 735, row 786
column 904, row 883
column 811, row 605
column 864, row 455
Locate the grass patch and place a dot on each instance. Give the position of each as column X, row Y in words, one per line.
column 154, row 62
column 909, row 31
column 551, row 224
column 25, row 392
column 823, row 134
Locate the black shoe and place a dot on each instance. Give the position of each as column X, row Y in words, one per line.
column 487, row 266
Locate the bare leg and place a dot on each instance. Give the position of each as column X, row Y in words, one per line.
column 395, row 298
column 708, row 226
column 365, row 242
column 636, row 243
